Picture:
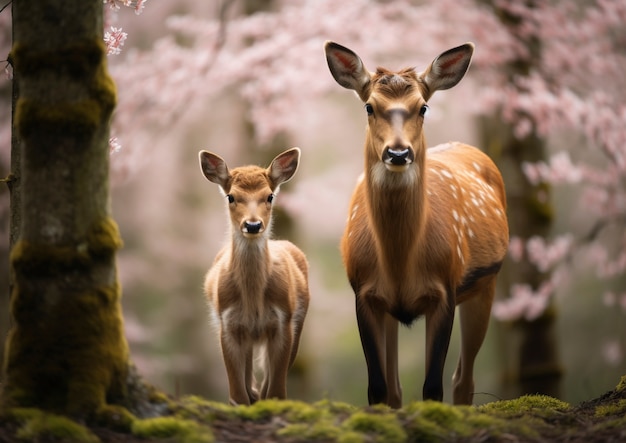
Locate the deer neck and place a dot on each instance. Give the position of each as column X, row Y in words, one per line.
column 250, row 264
column 398, row 210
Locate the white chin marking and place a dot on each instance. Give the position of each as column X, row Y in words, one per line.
column 396, row 168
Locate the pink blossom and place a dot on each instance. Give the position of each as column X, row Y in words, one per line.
column 279, row 75
column 516, row 248
column 609, row 299
column 613, row 352
column 622, row 302
column 545, row 254
column 559, row 169
column 114, row 39
column 114, row 145
column 137, row 5
column 523, row 303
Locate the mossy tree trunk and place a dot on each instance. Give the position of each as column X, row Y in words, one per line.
column 530, row 213
column 66, row 351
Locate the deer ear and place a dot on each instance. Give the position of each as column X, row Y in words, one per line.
column 347, row 69
column 448, row 68
column 283, row 167
column 214, row 168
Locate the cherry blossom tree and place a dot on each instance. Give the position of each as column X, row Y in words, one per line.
column 575, row 86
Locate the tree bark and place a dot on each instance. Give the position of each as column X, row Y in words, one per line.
column 529, row 213
column 66, row 351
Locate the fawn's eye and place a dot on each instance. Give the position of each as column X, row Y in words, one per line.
column 270, row 198
column 369, row 109
column 424, row 110
column 230, row 198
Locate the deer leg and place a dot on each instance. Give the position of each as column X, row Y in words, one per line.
column 278, row 355
column 394, row 395
column 474, row 316
column 253, row 394
column 297, row 323
column 235, row 353
column 265, row 364
column 372, row 331
column 438, row 331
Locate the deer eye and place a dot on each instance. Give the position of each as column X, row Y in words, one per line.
column 424, row 110
column 230, row 198
column 270, row 198
column 369, row 109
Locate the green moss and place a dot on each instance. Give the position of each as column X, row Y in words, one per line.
column 197, row 408
column 75, row 367
column 101, row 242
column 324, row 430
column 81, row 118
column 335, row 407
column 616, row 408
column 431, row 421
column 36, row 425
column 82, row 63
column 293, row 410
column 115, row 417
column 351, row 437
column 103, row 239
column 541, row 405
column 438, row 412
column 385, row 427
column 176, row 429
column 299, row 431
column 321, row 422
column 621, row 386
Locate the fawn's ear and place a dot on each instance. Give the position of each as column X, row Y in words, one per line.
column 283, row 167
column 214, row 168
column 448, row 68
column 348, row 69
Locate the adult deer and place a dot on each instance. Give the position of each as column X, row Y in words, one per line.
column 427, row 229
column 257, row 287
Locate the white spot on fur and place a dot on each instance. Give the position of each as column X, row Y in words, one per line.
column 354, row 211
column 446, row 173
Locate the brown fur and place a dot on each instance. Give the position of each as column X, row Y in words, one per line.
column 257, row 287
column 421, row 237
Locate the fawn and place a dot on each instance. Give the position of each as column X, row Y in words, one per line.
column 257, row 287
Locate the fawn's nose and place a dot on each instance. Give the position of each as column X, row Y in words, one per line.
column 252, row 227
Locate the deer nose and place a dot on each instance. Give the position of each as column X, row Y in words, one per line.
column 252, row 227
column 398, row 156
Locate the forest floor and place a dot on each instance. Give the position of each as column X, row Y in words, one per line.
column 194, row 420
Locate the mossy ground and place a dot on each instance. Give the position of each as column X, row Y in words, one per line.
column 196, row 420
